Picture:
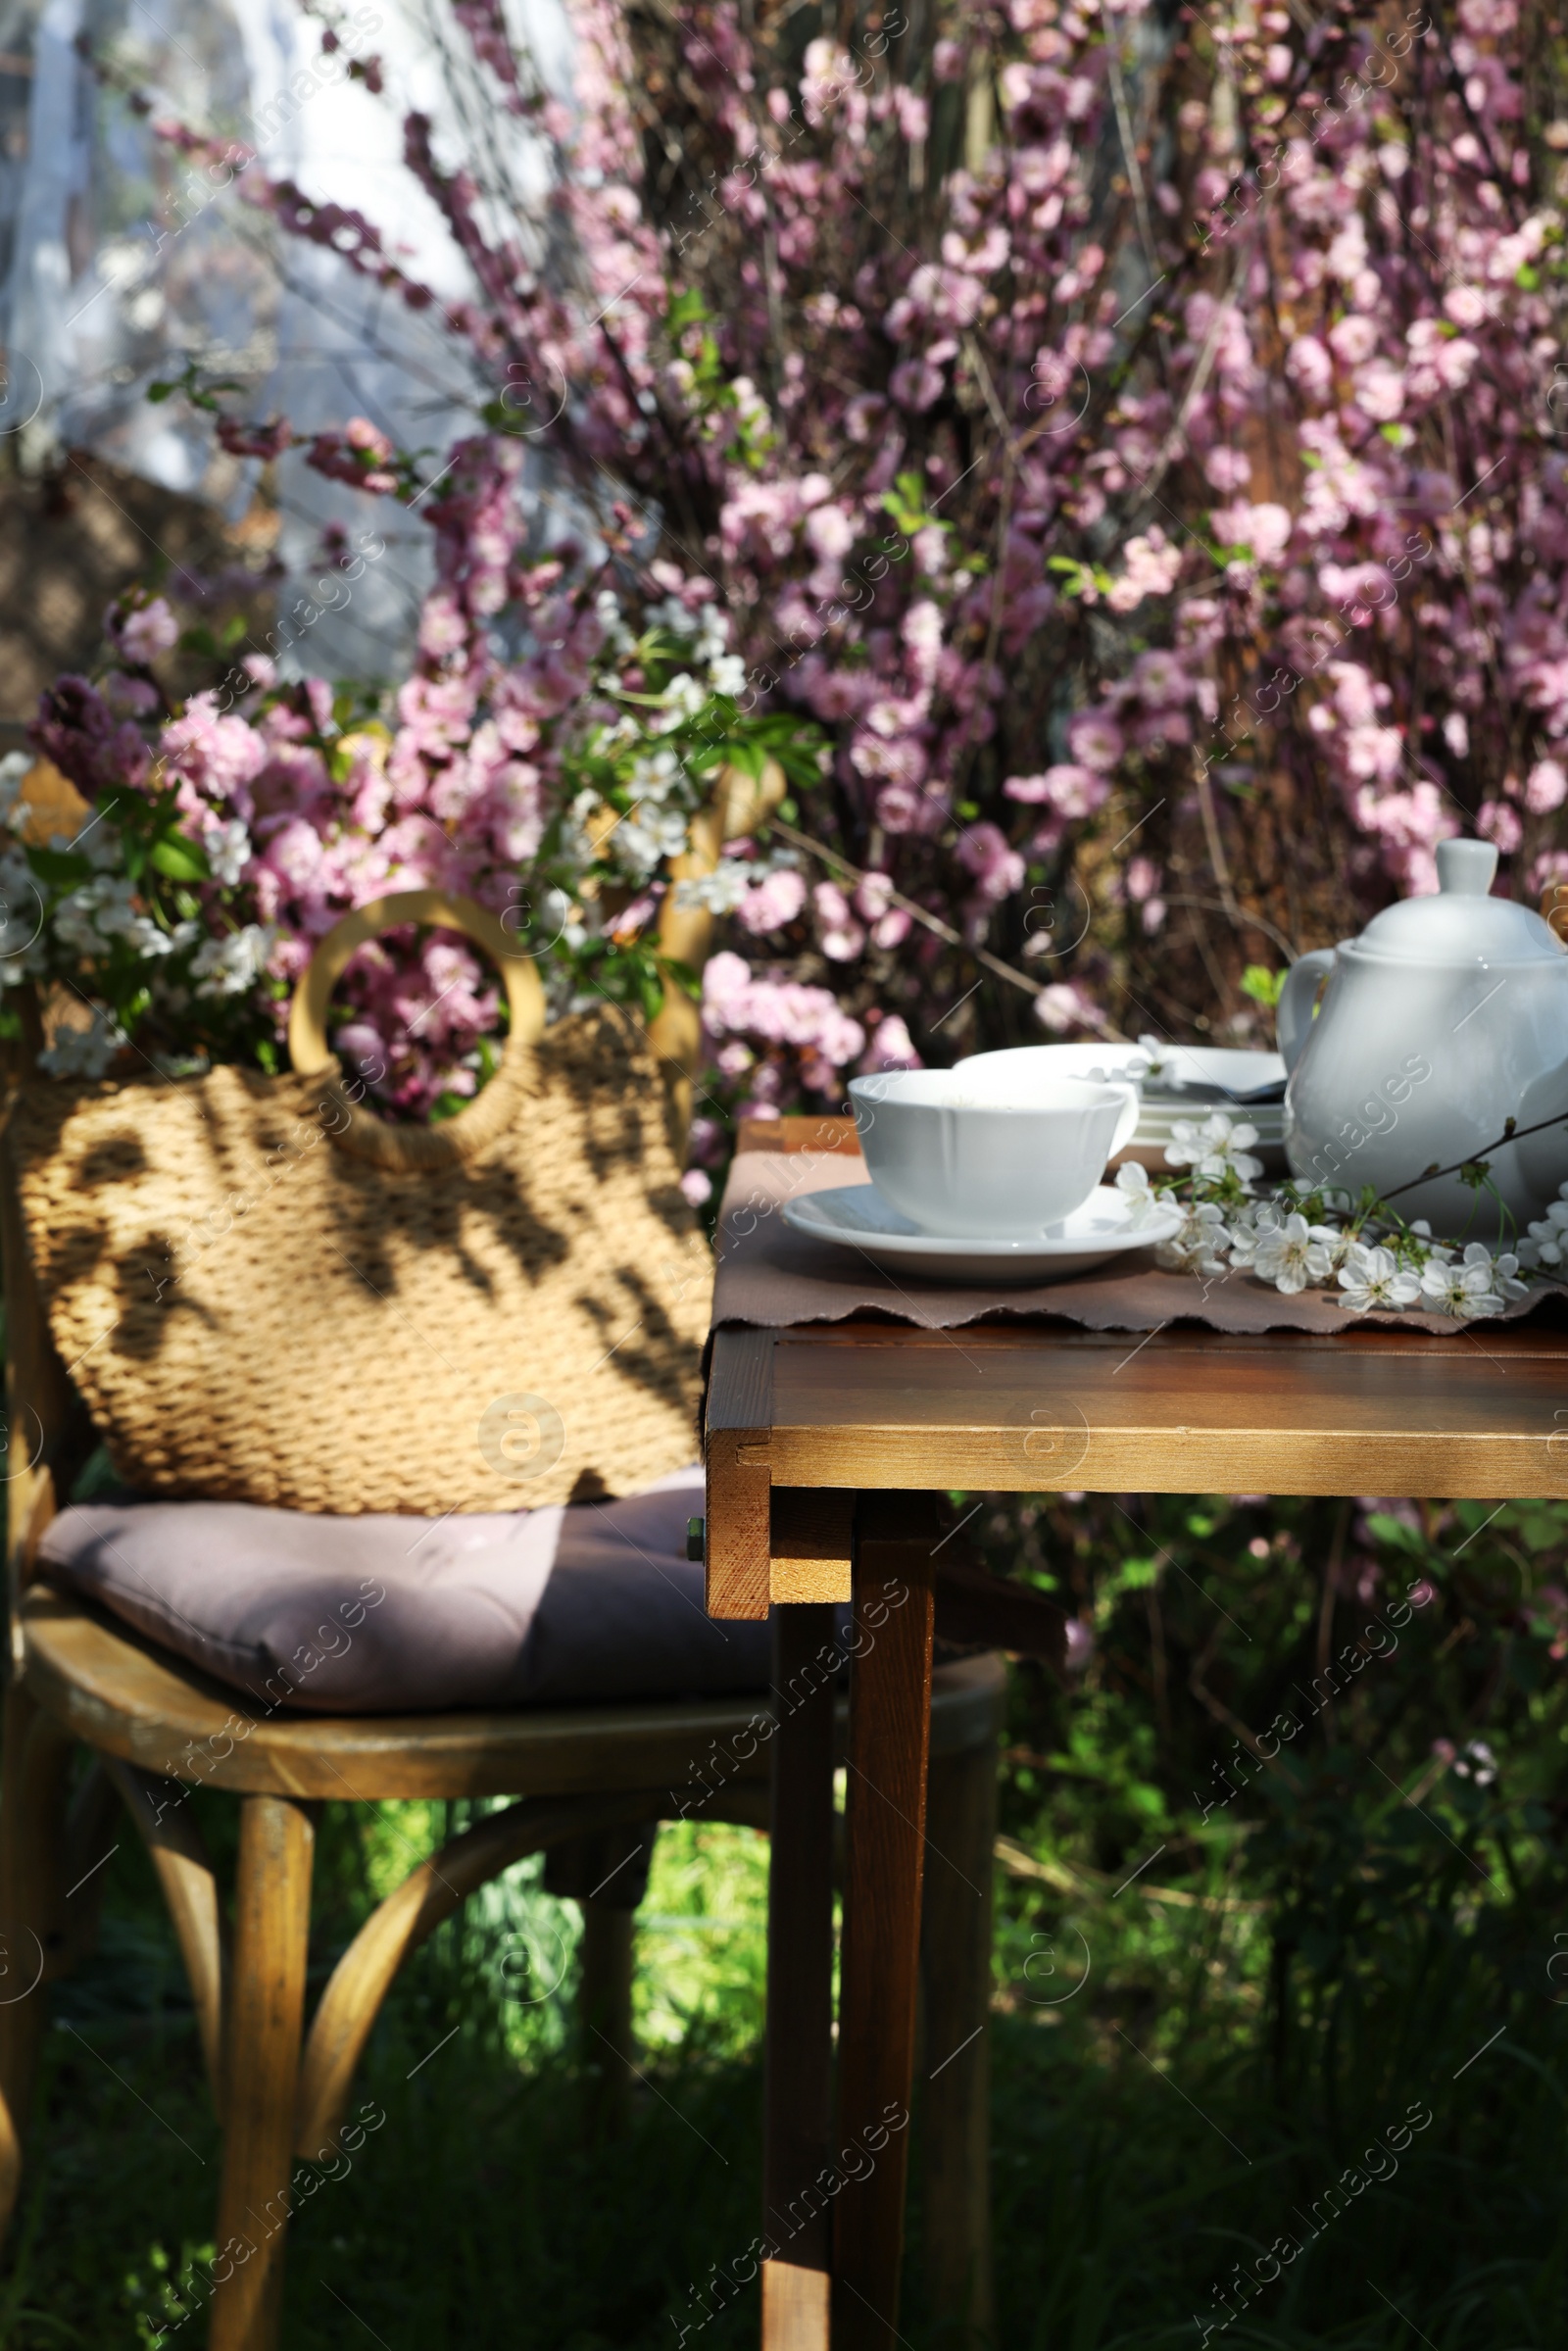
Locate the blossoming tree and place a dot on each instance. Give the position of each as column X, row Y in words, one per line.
column 1130, row 439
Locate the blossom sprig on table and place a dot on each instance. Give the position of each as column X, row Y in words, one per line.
column 1299, row 1235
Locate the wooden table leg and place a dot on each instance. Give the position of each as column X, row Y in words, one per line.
column 961, row 1825
column 890, row 1730
column 800, row 1983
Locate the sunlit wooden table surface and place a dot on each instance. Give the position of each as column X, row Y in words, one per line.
column 825, row 1445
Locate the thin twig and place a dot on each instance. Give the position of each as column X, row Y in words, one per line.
column 1216, row 846
column 1510, row 1134
column 1242, row 918
column 907, row 905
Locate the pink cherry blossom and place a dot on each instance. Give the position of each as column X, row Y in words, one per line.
column 774, row 902
column 144, row 631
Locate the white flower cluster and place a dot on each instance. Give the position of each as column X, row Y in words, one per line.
column 84, row 1052
column 230, row 967
column 706, row 633
column 1216, row 1147
column 1379, row 1263
column 104, row 910
column 100, row 919
column 618, row 639
column 1546, row 1243
column 656, row 827
column 731, row 880
column 228, row 848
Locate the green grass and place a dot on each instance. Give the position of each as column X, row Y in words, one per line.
column 1340, row 1957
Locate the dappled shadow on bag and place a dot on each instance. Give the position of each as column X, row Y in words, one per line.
column 257, row 1305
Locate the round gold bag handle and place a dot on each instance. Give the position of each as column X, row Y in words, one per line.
column 456, row 1138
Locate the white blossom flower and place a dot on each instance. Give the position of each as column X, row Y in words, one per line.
column 682, row 698
column 20, row 906
column 1161, row 1057
column 1337, row 1245
column 655, row 774
column 721, row 891
column 102, row 909
column 1196, row 1245
column 13, row 768
column 713, row 634
column 100, row 844
column 232, row 966
column 1373, row 1278
column 1217, row 1147
column 1477, row 1763
column 1546, row 1243
column 1255, row 1221
column 1132, row 1181
column 727, row 675
column 1464, row 1290
column 1502, row 1271
column 84, row 1052
column 1294, row 1254
column 648, row 835
column 228, row 848
column 618, row 638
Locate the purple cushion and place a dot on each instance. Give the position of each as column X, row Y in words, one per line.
column 581, row 1603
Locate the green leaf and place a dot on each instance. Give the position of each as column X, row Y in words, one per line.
column 156, row 392
column 748, row 756
column 1264, row 986
column 61, row 868
column 690, row 982
column 182, row 859
column 687, row 309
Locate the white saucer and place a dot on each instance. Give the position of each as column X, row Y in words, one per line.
column 857, row 1216
column 1229, row 1068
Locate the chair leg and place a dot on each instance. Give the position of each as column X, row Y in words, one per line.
column 605, row 1870
column 261, row 2072
column 604, row 1997
column 961, row 1829
column 34, row 1756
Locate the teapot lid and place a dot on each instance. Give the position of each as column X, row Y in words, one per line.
column 1462, row 923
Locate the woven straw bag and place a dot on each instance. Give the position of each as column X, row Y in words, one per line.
column 265, row 1295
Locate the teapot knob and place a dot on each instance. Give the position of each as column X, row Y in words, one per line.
column 1554, row 909
column 1465, row 868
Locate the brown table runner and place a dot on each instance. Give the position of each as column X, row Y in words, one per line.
column 773, row 1277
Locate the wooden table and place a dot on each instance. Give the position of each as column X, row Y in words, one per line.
column 825, row 1445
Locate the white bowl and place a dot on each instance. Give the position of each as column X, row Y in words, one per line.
column 970, row 1157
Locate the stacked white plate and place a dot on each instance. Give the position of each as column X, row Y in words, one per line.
column 1188, row 1081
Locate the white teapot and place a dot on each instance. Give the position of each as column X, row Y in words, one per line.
column 1443, row 1021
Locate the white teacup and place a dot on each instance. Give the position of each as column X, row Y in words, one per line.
column 989, row 1158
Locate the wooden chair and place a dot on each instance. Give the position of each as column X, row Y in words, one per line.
column 155, row 1727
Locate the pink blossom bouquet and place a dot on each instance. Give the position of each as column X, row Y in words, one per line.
column 226, row 836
